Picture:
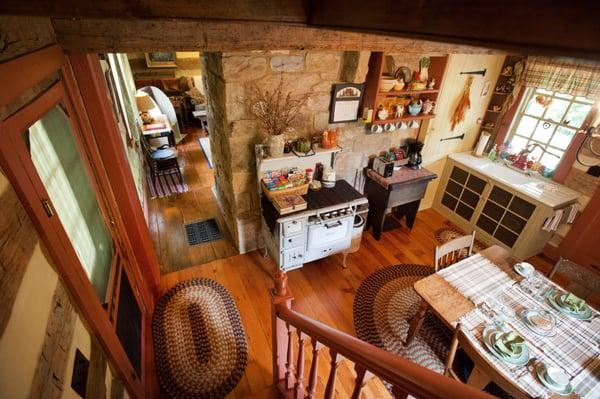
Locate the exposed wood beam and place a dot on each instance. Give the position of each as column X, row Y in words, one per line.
column 120, row 35
column 244, row 10
column 533, row 27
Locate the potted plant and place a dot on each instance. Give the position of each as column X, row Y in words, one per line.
column 275, row 112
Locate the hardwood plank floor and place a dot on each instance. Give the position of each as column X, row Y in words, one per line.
column 167, row 216
column 323, row 290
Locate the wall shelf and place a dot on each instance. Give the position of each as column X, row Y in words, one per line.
column 406, row 118
column 394, row 93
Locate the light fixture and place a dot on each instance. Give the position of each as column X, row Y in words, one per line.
column 144, row 104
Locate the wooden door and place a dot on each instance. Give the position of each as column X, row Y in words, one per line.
column 582, row 243
column 53, row 166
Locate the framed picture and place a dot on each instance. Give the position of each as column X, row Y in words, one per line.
column 160, row 60
column 345, row 101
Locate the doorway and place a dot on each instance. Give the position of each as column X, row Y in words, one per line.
column 161, row 107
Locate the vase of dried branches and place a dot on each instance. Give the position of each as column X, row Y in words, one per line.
column 275, row 112
column 276, row 145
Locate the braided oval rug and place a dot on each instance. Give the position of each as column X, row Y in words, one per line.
column 199, row 341
column 384, row 303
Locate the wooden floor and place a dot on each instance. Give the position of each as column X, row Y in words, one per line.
column 167, row 215
column 323, row 290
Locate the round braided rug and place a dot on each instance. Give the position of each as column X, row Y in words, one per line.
column 384, row 303
column 199, row 341
column 447, row 234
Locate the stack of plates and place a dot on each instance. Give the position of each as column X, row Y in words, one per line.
column 539, row 321
column 498, row 343
column 557, row 300
column 554, row 379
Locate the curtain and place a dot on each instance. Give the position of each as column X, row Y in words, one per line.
column 569, row 76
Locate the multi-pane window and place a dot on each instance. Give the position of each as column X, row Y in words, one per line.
column 550, row 120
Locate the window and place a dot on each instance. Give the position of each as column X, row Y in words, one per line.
column 549, row 119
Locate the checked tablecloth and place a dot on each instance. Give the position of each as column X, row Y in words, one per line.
column 575, row 347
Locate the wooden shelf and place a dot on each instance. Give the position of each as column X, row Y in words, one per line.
column 408, row 118
column 394, row 93
column 500, row 94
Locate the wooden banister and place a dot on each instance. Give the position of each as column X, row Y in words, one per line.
column 405, row 376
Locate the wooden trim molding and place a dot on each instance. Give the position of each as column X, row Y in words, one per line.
column 94, row 92
column 20, row 74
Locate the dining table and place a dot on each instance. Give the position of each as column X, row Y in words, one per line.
column 484, row 292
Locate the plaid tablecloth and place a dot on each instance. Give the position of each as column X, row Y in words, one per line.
column 575, row 347
column 476, row 278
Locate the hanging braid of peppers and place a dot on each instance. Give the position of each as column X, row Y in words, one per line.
column 463, row 104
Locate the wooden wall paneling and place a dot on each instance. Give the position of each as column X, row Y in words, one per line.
column 49, row 378
column 64, row 256
column 534, row 27
column 134, row 35
column 94, row 92
column 18, row 239
column 22, row 34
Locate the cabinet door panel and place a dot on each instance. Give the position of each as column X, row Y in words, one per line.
column 476, row 184
column 459, row 175
column 513, row 222
column 521, row 207
column 469, row 198
column 494, row 211
column 464, row 211
column 500, row 196
column 507, row 237
column 454, row 188
column 487, row 224
column 449, row 201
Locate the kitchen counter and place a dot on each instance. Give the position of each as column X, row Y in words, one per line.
column 544, row 191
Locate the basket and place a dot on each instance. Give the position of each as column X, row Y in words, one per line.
column 299, row 190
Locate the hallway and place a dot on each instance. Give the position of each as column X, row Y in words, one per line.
column 168, row 215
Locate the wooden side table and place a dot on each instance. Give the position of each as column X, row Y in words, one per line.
column 402, row 191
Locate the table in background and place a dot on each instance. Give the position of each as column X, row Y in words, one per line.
column 167, row 131
column 202, row 116
column 403, row 191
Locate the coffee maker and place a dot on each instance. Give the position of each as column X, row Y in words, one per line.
column 414, row 153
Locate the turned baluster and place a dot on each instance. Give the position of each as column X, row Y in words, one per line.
column 314, row 366
column 289, row 364
column 299, row 386
column 329, row 389
column 359, row 382
column 399, row 393
column 281, row 296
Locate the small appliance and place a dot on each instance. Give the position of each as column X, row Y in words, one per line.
column 414, row 153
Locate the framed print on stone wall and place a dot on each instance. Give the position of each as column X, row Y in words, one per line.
column 345, row 101
column 160, row 60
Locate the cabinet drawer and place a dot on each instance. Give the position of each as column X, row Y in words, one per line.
column 293, row 241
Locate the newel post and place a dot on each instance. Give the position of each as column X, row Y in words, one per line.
column 280, row 296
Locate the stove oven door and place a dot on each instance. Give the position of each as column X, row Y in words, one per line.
column 328, row 238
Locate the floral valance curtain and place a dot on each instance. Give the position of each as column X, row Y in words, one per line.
column 575, row 77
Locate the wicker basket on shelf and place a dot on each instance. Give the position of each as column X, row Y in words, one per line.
column 300, row 190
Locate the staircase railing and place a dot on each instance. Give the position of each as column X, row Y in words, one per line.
column 405, row 376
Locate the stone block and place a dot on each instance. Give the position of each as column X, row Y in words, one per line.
column 318, row 61
column 302, row 125
column 318, row 101
column 372, row 144
column 243, row 68
column 321, row 121
column 287, row 63
column 247, row 128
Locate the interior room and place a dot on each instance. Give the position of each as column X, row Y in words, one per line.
column 298, row 201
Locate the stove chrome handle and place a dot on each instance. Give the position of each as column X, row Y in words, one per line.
column 331, row 226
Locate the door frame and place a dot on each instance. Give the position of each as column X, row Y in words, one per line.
column 22, row 74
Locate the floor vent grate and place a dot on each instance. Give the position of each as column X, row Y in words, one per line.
column 202, row 232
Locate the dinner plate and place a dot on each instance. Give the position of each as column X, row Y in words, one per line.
column 541, row 374
column 488, row 340
column 524, row 269
column 404, row 73
column 554, row 300
column 527, row 316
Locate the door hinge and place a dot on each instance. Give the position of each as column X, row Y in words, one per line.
column 48, row 208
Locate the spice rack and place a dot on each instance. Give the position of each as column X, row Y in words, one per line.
column 374, row 96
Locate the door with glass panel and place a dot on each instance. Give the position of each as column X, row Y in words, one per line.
column 73, row 214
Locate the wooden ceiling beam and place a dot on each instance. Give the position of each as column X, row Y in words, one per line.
column 544, row 27
column 134, row 35
column 244, row 10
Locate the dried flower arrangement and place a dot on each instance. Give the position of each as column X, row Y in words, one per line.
column 274, row 110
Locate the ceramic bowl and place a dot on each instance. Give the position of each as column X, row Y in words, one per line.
column 557, row 377
column 387, row 83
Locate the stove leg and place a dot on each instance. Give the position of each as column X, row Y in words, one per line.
column 344, row 260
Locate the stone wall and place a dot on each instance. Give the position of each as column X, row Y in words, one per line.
column 234, row 132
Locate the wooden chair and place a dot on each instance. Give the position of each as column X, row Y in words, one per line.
column 448, row 370
column 161, row 161
column 577, row 279
column 453, row 251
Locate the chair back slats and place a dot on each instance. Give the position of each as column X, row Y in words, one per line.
column 454, row 251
